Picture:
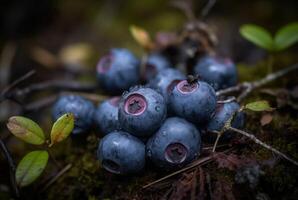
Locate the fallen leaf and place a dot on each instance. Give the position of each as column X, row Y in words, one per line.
column 266, row 119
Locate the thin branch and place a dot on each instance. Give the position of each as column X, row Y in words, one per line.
column 55, row 85
column 250, row 86
column 257, row 141
column 6, row 90
column 12, row 169
column 194, row 164
column 55, row 178
column 208, row 7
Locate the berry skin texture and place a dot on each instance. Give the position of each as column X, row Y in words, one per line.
column 154, row 64
column 220, row 73
column 175, row 144
column 141, row 111
column 224, row 112
column 118, row 71
column 195, row 101
column 164, row 79
column 106, row 115
column 121, row 153
column 82, row 109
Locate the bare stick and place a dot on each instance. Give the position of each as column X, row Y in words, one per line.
column 53, row 180
column 208, row 7
column 250, row 86
column 257, row 141
column 194, row 164
column 5, row 92
column 12, row 169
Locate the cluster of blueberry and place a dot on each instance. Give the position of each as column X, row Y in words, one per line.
column 161, row 122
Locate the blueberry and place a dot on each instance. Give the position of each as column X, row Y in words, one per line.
column 163, row 80
column 154, row 64
column 224, row 112
column 175, row 144
column 141, row 111
column 121, row 153
column 82, row 109
column 194, row 101
column 106, row 115
column 118, row 71
column 220, row 73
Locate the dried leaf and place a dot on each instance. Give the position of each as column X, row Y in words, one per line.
column 31, row 167
column 62, row 128
column 26, row 129
column 266, row 119
column 259, row 106
column 141, row 36
column 231, row 161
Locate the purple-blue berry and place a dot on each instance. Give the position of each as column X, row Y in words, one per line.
column 223, row 113
column 106, row 115
column 194, row 101
column 154, row 64
column 175, row 144
column 121, row 153
column 220, row 73
column 142, row 111
column 118, row 70
column 82, row 109
column 164, row 80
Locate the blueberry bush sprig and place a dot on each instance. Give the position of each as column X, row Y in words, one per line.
column 33, row 164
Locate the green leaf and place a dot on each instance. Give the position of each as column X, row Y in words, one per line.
column 286, row 36
column 257, row 35
column 62, row 128
column 31, row 167
column 259, row 106
column 26, row 129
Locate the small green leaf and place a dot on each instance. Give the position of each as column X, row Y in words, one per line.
column 257, row 35
column 31, row 167
column 259, row 106
column 286, row 36
column 62, row 128
column 26, row 129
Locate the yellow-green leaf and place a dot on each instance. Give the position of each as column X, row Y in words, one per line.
column 259, row 106
column 257, row 35
column 31, row 167
column 286, row 36
column 62, row 128
column 26, row 130
column 141, row 36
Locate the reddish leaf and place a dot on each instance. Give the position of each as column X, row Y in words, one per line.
column 231, row 161
column 266, row 119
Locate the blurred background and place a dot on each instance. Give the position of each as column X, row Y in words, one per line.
column 65, row 39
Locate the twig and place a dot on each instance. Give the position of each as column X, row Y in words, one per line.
column 55, row 85
column 12, row 169
column 55, row 178
column 257, row 141
column 250, row 86
column 194, row 164
column 5, row 93
column 208, row 7
column 186, row 7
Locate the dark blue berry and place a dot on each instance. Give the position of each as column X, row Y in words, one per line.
column 223, row 113
column 164, row 80
column 175, row 144
column 220, row 73
column 154, row 64
column 142, row 111
column 106, row 115
column 121, row 153
column 118, row 70
column 194, row 101
column 82, row 109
